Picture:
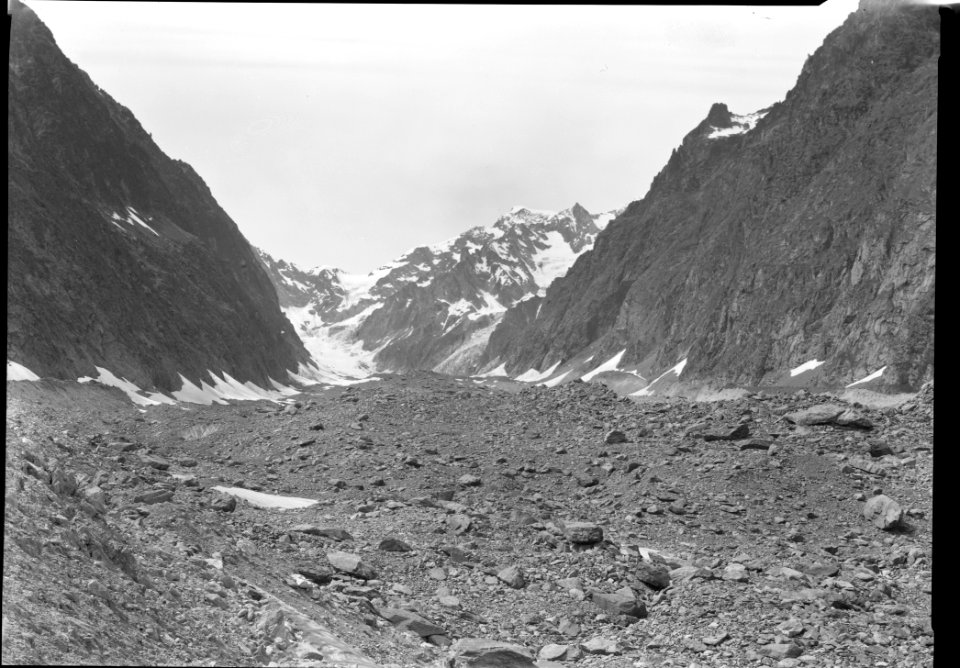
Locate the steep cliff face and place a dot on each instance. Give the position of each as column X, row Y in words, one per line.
column 119, row 256
column 802, row 231
column 434, row 307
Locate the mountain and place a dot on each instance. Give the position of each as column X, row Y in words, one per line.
column 802, row 232
column 435, row 306
column 119, row 257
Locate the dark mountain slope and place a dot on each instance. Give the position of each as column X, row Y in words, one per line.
column 810, row 235
column 118, row 255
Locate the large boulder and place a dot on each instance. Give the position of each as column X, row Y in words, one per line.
column 884, row 512
column 481, row 653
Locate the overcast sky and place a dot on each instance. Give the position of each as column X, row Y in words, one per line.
column 345, row 135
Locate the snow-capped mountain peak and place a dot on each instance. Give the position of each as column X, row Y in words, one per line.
column 434, row 306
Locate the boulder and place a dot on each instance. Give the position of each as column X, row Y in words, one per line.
column 737, row 433
column 351, row 564
column 583, row 533
column 787, row 650
column 411, row 621
column 512, row 577
column 819, row 414
column 154, row 496
column 615, row 436
column 327, row 532
column 394, row 545
column 481, row 653
column 621, row 602
column 884, row 512
column 653, row 575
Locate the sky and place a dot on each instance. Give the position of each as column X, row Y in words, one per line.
column 345, row 135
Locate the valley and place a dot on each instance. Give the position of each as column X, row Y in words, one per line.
column 727, row 533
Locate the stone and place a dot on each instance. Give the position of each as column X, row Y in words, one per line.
column 224, row 504
column 756, row 444
column 879, row 449
column 568, row 628
column 791, row 628
column 583, row 533
column 601, row 645
column 394, row 545
column 737, row 433
column 155, row 462
column 351, row 564
column 552, row 652
column 468, row 480
column 615, row 436
column 820, row 414
column 63, row 483
column 459, row 523
column 586, row 480
column 411, row 621
column 621, row 602
column 883, row 512
column 691, row 572
column 851, row 418
column 96, row 497
column 570, row 583
column 735, row 573
column 482, row 653
column 327, row 532
column 713, row 641
column 512, row 577
column 154, row 496
column 653, row 575
column 780, row 651
column 320, row 576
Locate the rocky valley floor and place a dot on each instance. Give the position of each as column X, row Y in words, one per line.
column 458, row 524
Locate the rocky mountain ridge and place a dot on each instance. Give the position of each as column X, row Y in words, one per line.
column 434, row 306
column 119, row 257
column 802, row 232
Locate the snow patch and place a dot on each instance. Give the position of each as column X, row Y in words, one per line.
column 741, row 124
column 499, row 371
column 647, row 391
column 873, row 376
column 262, row 500
column 19, row 372
column 555, row 381
column 136, row 395
column 806, row 366
column 533, row 376
column 609, row 365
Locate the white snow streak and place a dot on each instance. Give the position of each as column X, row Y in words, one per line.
column 19, row 372
column 873, row 376
column 499, row 371
column 609, row 365
column 806, row 366
column 555, row 381
column 262, row 500
column 647, row 391
column 136, row 395
column 533, row 376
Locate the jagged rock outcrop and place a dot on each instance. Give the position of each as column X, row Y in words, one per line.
column 803, row 231
column 119, row 256
column 434, row 307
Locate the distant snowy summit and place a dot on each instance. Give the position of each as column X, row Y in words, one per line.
column 435, row 306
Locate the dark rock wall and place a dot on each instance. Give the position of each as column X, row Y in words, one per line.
column 82, row 292
column 813, row 235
